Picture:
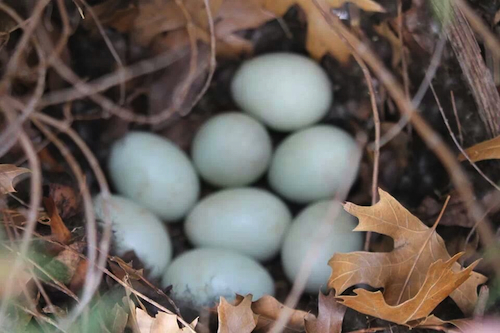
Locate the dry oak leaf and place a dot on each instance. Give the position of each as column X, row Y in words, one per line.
column 463, row 325
column 269, row 309
column 161, row 323
column 230, row 16
column 486, row 150
column 120, row 318
column 416, row 247
column 59, row 231
column 330, row 315
column 440, row 281
column 22, row 278
column 236, row 319
column 8, row 172
column 321, row 39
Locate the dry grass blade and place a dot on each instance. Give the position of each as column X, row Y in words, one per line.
column 466, row 156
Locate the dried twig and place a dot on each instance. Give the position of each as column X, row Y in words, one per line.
column 376, row 151
column 109, row 44
column 457, row 119
column 417, row 99
column 9, row 136
column 453, row 137
column 213, row 63
column 21, row 46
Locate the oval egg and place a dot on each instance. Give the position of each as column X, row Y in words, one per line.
column 312, row 164
column 301, row 238
column 155, row 173
column 201, row 276
column 286, row 91
column 136, row 229
column 248, row 220
column 231, row 149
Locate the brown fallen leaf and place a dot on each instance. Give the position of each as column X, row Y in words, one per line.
column 8, row 172
column 59, row 230
column 234, row 16
column 66, row 198
column 78, row 279
column 236, row 319
column 321, row 39
column 22, row 278
column 416, row 248
column 155, row 18
column 439, row 282
column 463, row 325
column 161, row 323
column 269, row 309
column 385, row 30
column 119, row 14
column 486, row 150
column 330, row 315
column 70, row 258
column 120, row 318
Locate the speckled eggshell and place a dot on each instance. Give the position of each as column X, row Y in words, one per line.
column 231, row 149
column 301, row 238
column 201, row 276
column 311, row 164
column 248, row 220
column 286, row 91
column 136, row 229
column 152, row 171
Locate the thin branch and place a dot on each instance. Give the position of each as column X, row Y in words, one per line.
column 422, row 90
column 29, row 29
column 457, row 119
column 376, row 152
column 110, row 46
column 453, row 137
column 213, row 62
column 9, row 136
